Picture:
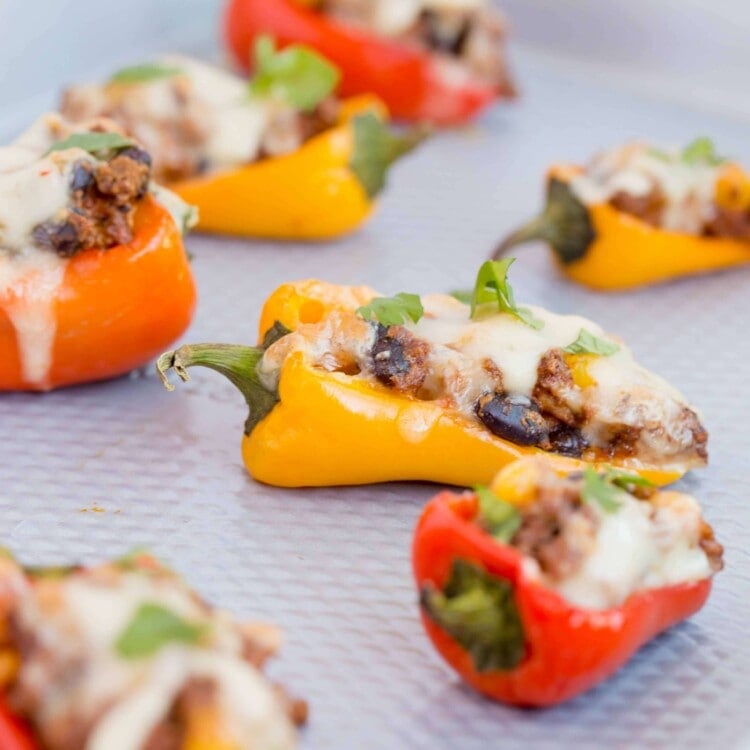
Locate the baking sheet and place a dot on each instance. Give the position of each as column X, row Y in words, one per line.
column 91, row 472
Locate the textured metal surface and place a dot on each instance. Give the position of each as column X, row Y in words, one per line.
column 93, row 471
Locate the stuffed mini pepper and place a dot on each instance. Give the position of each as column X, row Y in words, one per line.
column 279, row 157
column 125, row 655
column 542, row 586
column 94, row 279
column 440, row 61
column 639, row 215
column 350, row 388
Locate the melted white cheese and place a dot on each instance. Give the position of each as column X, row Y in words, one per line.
column 33, row 189
column 514, row 347
column 633, row 552
column 689, row 189
column 236, row 122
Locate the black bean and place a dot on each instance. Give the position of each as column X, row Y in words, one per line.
column 514, row 418
column 82, row 176
column 137, row 154
column 388, row 357
column 62, row 237
column 568, row 441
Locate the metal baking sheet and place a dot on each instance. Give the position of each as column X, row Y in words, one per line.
column 90, row 472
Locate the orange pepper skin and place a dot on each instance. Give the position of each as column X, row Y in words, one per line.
column 568, row 650
column 311, row 194
column 116, row 308
column 628, row 253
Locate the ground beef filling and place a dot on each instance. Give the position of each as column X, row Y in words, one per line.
column 399, row 359
column 472, row 37
column 557, row 530
column 650, row 209
column 101, row 213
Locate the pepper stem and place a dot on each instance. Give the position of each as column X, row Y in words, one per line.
column 237, row 363
column 479, row 612
column 565, row 224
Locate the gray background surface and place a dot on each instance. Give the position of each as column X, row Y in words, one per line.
column 331, row 566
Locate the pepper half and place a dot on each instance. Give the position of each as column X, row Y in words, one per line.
column 506, row 634
column 607, row 249
column 115, row 310
column 297, row 436
column 323, row 190
column 407, row 79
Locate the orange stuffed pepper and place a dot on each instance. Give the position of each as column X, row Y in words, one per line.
column 279, row 157
column 94, row 279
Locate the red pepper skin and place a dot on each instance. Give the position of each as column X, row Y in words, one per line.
column 13, row 734
column 407, row 79
column 568, row 650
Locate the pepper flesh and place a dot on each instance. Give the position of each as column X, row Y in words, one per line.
column 409, row 80
column 385, row 436
column 13, row 734
column 116, row 308
column 310, row 194
column 626, row 252
column 568, row 650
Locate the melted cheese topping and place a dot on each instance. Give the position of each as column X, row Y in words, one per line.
column 464, row 344
column 34, row 188
column 84, row 620
column 217, row 120
column 635, row 549
column 689, row 189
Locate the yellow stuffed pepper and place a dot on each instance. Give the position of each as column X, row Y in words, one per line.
column 348, row 388
column 280, row 157
column 638, row 215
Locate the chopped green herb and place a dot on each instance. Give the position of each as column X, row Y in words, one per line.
column 498, row 517
column 587, row 343
column 702, row 151
column 94, row 143
column 296, row 75
column 493, row 287
column 599, row 489
column 377, row 147
column 393, row 311
column 625, row 480
column 145, row 73
column 152, row 628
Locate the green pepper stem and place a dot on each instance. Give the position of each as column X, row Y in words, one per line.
column 239, row 364
column 479, row 612
column 565, row 224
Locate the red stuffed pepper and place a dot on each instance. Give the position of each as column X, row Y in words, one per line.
column 542, row 587
column 427, row 60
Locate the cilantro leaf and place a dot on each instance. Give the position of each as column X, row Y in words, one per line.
column 625, row 480
column 587, row 343
column 393, row 311
column 377, row 147
column 94, row 143
column 599, row 490
column 499, row 518
column 145, row 73
column 701, row 151
column 152, row 628
column 296, row 75
column 493, row 287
